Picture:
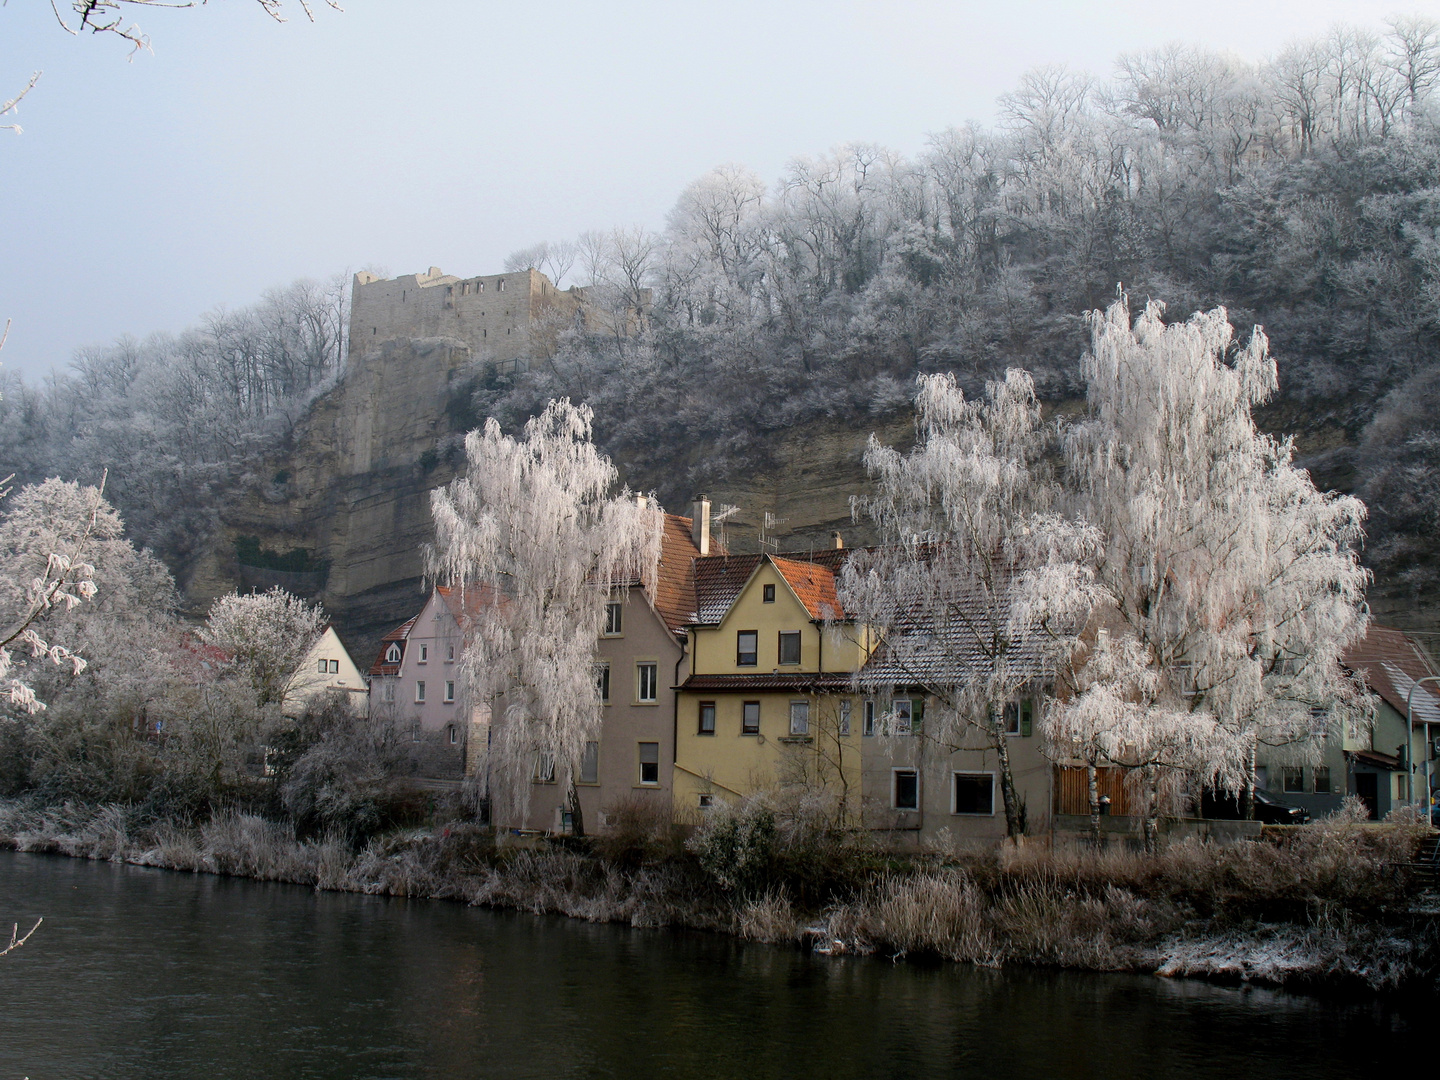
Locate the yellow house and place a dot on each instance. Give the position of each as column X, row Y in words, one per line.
column 769, row 698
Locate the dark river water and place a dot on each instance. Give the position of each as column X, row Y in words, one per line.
column 145, row 973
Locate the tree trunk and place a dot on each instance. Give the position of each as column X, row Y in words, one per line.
column 577, row 815
column 1152, row 818
column 1013, row 825
column 1093, row 784
column 1247, row 795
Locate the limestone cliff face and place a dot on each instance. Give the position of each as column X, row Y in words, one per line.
column 352, row 485
column 352, row 488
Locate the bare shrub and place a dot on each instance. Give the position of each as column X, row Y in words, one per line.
column 639, row 830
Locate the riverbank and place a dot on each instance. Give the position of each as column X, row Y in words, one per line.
column 1327, row 905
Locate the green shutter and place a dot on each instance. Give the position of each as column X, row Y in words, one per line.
column 917, row 714
column 1027, row 716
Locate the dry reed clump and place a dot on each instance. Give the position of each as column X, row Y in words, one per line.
column 769, row 919
column 639, row 831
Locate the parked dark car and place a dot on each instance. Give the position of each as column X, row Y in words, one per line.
column 1269, row 808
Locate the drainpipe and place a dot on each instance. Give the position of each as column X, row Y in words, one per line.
column 675, row 710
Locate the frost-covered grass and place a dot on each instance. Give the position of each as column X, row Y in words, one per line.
column 1326, row 904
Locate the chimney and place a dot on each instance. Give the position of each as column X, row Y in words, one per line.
column 700, row 524
column 640, row 500
column 836, row 541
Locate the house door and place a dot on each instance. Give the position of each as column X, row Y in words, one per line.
column 1367, row 787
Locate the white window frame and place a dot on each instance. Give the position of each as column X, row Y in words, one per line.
column 449, row 691
column 449, row 654
column 602, row 682
column 387, row 691
column 614, row 619
column 424, row 654
column 334, row 667
column 640, row 764
column 324, row 667
column 799, row 725
column 452, row 734
column 903, row 716
column 640, row 698
column 971, row 772
column 419, row 691
column 842, row 725
column 867, row 724
column 392, row 653
column 895, row 789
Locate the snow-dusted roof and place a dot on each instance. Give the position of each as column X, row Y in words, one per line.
column 1392, row 663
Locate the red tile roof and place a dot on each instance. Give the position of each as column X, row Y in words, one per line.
column 814, row 584
column 674, row 592
column 1392, row 662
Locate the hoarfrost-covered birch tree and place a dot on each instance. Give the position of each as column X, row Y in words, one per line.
column 535, row 540
column 1235, row 584
column 265, row 637
column 979, row 588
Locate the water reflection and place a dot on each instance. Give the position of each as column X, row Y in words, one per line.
column 142, row 973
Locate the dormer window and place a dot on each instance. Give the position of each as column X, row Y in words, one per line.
column 392, row 654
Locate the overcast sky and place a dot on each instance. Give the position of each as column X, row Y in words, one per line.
column 401, row 134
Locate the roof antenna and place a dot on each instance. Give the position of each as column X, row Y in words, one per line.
column 724, row 514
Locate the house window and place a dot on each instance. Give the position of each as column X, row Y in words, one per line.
column 392, row 654
column 843, row 727
column 649, row 763
column 750, row 718
column 545, row 768
column 799, row 718
column 602, row 682
column 590, row 763
column 324, row 667
column 424, row 654
column 1292, row 778
column 613, row 622
column 1010, row 718
column 868, row 723
column 1027, row 718
column 707, row 718
column 905, row 789
column 645, row 682
column 746, row 646
column 1322, row 780
column 767, row 594
column 450, row 735
column 389, row 694
column 449, row 691
column 904, row 714
column 449, row 654
column 420, row 692
column 334, row 667
column 789, row 646
column 974, row 793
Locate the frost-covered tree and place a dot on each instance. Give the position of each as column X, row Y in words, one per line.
column 264, row 638
column 46, row 541
column 1234, row 584
column 536, row 541
column 978, row 589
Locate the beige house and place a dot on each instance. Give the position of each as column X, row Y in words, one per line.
column 641, row 658
column 327, row 668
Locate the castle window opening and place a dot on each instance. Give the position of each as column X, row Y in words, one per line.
column 501, row 286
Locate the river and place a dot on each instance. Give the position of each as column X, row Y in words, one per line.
column 147, row 973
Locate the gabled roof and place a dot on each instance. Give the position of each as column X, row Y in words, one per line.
column 400, row 633
column 719, row 580
column 1392, row 663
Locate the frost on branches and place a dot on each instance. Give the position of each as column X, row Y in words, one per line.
column 265, row 638
column 45, row 542
column 534, row 538
column 979, row 589
column 1234, row 584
